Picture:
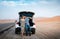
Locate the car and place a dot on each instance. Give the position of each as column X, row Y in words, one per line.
column 32, row 24
column 17, row 28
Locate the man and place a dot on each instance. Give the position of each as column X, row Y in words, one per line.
column 27, row 26
column 27, row 20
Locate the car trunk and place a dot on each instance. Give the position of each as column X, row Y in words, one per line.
column 27, row 14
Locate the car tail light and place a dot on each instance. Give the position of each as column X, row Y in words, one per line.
column 17, row 23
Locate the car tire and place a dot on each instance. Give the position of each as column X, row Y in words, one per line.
column 33, row 30
column 17, row 30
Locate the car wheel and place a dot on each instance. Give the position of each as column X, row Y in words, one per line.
column 33, row 30
column 16, row 31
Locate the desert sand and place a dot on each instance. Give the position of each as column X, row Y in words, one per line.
column 48, row 28
column 45, row 19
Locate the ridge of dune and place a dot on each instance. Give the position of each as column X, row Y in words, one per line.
column 7, row 20
column 53, row 19
column 39, row 19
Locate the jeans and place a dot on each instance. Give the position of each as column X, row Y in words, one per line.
column 27, row 28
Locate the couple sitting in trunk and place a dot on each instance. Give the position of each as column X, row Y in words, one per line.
column 26, row 22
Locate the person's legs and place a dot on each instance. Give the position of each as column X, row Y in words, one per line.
column 28, row 29
column 22, row 31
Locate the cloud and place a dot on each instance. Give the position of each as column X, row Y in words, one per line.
column 12, row 3
column 44, row 2
column 25, row 2
column 41, row 8
column 6, row 3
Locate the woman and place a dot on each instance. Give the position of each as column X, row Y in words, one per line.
column 22, row 24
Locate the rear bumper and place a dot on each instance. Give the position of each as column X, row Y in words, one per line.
column 20, row 26
column 33, row 26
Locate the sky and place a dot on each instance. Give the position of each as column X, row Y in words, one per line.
column 9, row 9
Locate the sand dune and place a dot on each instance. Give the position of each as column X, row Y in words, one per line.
column 7, row 21
column 53, row 19
column 39, row 19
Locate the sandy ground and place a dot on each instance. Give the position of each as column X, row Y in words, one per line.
column 45, row 29
column 48, row 30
